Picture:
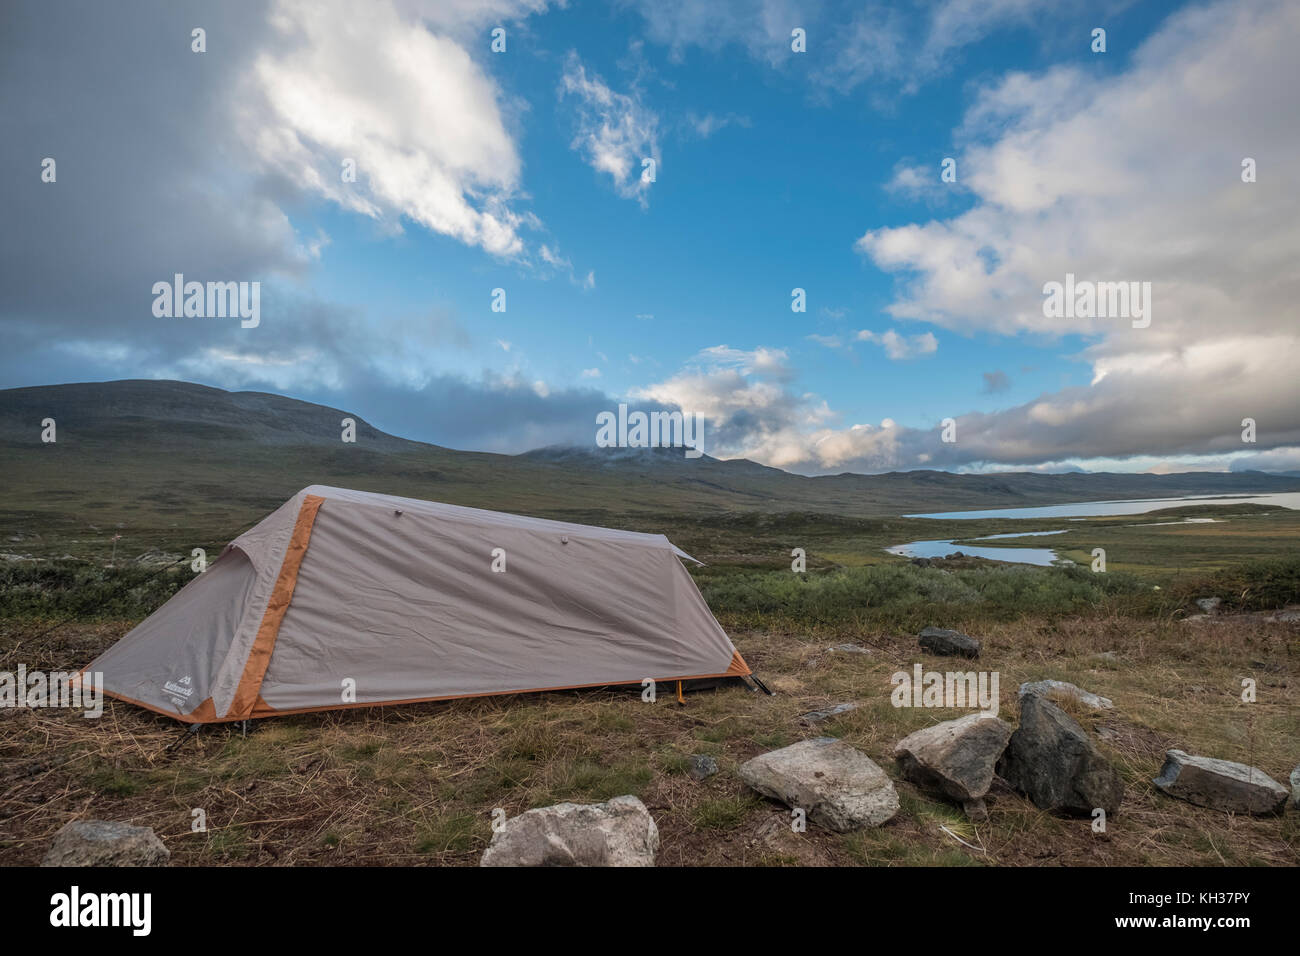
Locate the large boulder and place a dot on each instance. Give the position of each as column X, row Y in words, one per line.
column 618, row 833
column 956, row 757
column 1062, row 689
column 1051, row 759
column 105, row 843
column 948, row 643
column 840, row 788
column 1220, row 784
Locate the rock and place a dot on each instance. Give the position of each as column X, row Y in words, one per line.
column 921, row 562
column 1108, row 656
column 105, row 843
column 976, row 810
column 1295, row 788
column 1060, row 688
column 701, row 766
column 1051, row 759
column 840, row 788
column 938, row 640
column 1209, row 605
column 850, row 649
column 1220, row 784
column 956, row 757
column 817, row 716
column 1286, row 616
column 618, row 833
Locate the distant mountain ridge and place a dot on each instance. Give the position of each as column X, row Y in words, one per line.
column 176, row 448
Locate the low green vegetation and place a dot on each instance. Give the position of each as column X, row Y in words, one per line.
column 420, row 784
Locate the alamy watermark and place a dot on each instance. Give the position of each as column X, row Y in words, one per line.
column 212, row 300
column 951, row 689
column 651, row 430
column 1098, row 300
column 58, row 689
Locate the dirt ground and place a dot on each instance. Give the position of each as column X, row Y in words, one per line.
column 418, row 784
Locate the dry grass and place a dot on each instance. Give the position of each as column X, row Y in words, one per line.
column 418, row 784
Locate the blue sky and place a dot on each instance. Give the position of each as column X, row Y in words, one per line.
column 775, row 170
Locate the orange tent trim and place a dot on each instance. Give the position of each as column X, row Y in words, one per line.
column 259, row 658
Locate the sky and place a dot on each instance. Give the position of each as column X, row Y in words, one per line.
column 794, row 146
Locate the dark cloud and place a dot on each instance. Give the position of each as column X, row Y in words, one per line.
column 996, row 381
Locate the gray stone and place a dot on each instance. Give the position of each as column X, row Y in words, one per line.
column 840, row 788
column 956, row 757
column 1209, row 605
column 850, row 649
column 1060, row 688
column 105, row 843
column 618, row 833
column 1286, row 616
column 1052, row 760
column 817, row 716
column 947, row 643
column 976, row 810
column 701, row 766
column 1220, row 784
column 1295, row 788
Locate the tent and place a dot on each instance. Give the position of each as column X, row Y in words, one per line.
column 350, row 599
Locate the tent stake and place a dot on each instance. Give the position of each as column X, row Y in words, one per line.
column 191, row 729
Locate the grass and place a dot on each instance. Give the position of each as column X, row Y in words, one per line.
column 420, row 784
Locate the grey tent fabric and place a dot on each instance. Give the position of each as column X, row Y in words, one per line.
column 347, row 598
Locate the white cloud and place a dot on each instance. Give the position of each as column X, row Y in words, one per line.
column 1132, row 177
column 752, row 412
column 591, row 373
column 708, row 124
column 615, row 131
column 829, row 341
column 901, row 346
column 419, row 117
column 849, row 45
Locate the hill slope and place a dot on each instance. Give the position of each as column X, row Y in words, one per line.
column 154, row 457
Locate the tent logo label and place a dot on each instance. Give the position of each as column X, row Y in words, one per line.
column 180, row 690
column 653, row 430
column 74, row 908
column 58, row 689
column 949, row 690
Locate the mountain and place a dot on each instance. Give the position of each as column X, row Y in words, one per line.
column 162, row 455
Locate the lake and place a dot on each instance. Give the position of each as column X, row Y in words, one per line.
column 1088, row 509
column 939, row 549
